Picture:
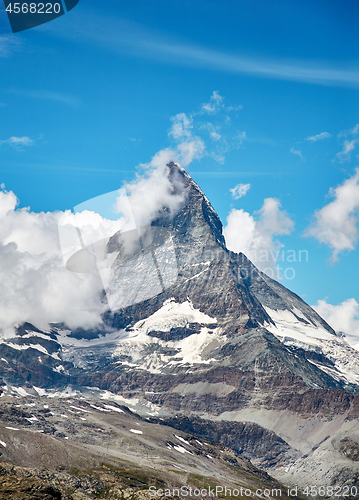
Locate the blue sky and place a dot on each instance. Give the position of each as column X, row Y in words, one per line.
column 87, row 98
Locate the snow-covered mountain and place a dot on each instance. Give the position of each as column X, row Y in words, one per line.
column 200, row 331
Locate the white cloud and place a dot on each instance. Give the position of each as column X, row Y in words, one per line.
column 273, row 219
column 8, row 202
column 217, row 156
column 348, row 147
column 187, row 151
column 297, row 152
column 224, row 145
column 239, row 138
column 35, row 285
column 240, row 190
column 189, row 140
column 319, row 137
column 348, row 144
column 18, row 142
column 254, row 235
column 351, row 131
column 215, row 135
column 212, row 130
column 156, row 189
column 181, row 126
column 214, row 105
column 343, row 317
column 188, row 147
column 335, row 224
column 234, row 108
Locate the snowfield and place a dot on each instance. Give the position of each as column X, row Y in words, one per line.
column 308, row 336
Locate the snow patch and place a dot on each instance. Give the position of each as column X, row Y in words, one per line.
column 39, row 335
column 21, row 391
column 98, row 408
column 38, row 347
column 32, row 419
column 172, row 315
column 80, row 409
column 181, row 449
column 287, row 325
column 59, row 369
column 181, row 439
column 193, row 346
column 114, row 408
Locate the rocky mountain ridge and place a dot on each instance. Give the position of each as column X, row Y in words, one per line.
column 203, row 334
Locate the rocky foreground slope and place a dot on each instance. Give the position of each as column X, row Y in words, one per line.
column 74, row 449
column 200, row 333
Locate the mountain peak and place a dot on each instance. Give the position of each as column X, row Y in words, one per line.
column 194, row 191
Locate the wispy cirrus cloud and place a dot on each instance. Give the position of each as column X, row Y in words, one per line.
column 47, row 95
column 319, row 137
column 119, row 35
column 301, row 71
